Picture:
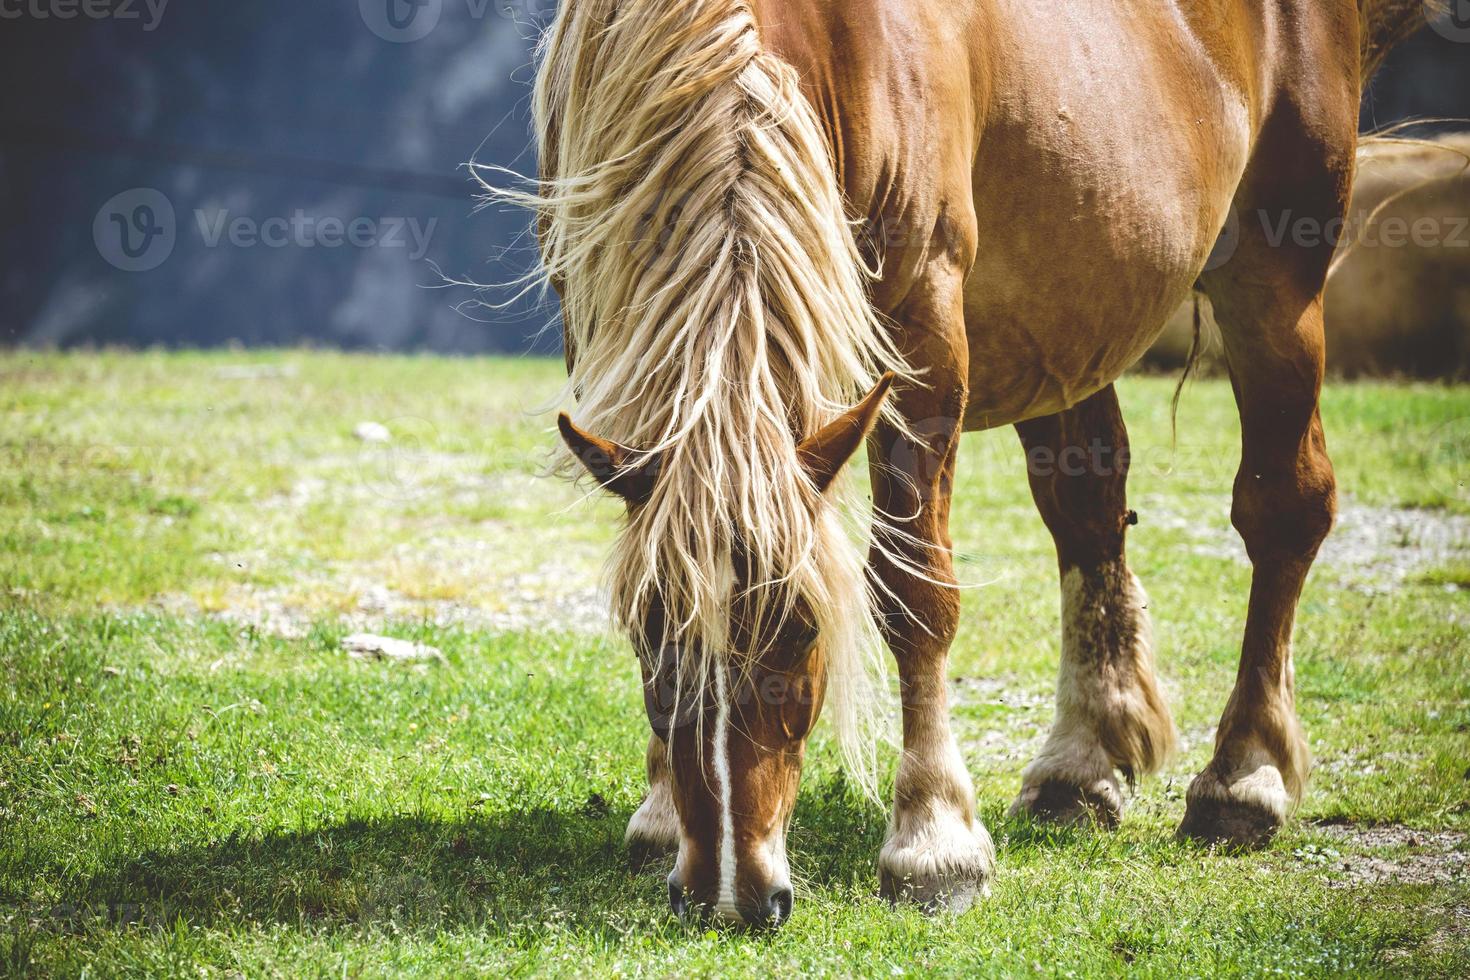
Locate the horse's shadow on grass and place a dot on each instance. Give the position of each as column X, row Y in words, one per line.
column 516, row 871
column 530, row 870
column 420, row 873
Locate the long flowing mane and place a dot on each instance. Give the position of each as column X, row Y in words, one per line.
column 715, row 311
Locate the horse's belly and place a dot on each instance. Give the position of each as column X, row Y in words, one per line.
column 1048, row 327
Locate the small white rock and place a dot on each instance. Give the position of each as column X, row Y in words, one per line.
column 368, row 646
column 372, row 432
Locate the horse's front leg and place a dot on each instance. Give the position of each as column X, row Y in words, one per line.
column 653, row 831
column 938, row 853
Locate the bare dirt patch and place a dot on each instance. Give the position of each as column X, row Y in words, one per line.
column 1390, row 853
column 521, row 602
column 1381, row 548
column 498, row 576
column 1016, row 717
column 1374, row 550
column 498, row 556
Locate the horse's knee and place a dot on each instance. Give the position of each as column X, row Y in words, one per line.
column 1286, row 516
column 918, row 609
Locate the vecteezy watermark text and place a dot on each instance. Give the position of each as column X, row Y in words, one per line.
column 137, row 231
column 148, row 12
column 302, row 230
column 1364, row 230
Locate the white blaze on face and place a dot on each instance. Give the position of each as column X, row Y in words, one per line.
column 725, row 900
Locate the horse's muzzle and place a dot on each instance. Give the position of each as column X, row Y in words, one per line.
column 772, row 912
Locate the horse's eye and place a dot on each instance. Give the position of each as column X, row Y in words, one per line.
column 796, row 640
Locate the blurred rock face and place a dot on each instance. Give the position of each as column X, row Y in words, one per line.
column 1399, row 302
column 270, row 172
column 197, row 172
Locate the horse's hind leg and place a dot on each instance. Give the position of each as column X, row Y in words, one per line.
column 1284, row 504
column 1268, row 300
column 1111, row 715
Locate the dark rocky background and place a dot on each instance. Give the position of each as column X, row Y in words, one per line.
column 301, row 111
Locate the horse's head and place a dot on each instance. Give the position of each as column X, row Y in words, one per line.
column 735, row 721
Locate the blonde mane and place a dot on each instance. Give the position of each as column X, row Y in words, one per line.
column 715, row 311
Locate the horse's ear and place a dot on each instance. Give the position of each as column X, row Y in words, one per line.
column 616, row 468
column 824, row 453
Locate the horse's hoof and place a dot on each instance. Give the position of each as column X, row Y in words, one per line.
column 1244, row 812
column 1230, row 823
column 642, row 853
column 933, row 894
column 1066, row 804
column 942, row 866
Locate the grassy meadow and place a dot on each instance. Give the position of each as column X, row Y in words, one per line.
column 196, row 779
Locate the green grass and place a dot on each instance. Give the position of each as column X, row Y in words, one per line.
column 194, row 779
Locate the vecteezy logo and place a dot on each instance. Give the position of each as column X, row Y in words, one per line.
column 136, row 230
column 1449, row 18
column 401, row 21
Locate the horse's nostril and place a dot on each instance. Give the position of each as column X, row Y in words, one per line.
column 778, row 906
column 677, row 901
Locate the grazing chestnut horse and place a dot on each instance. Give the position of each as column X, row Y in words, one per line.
column 753, row 209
